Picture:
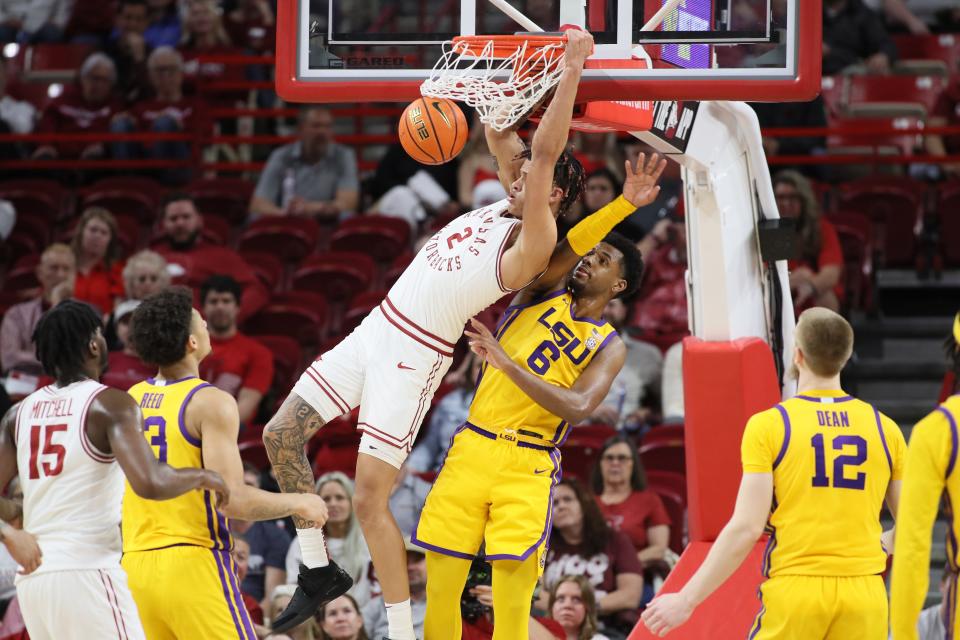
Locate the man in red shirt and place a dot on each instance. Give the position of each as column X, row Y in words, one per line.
column 125, row 368
column 87, row 110
column 238, row 364
column 191, row 260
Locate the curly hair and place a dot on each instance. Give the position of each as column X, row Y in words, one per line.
column 161, row 326
column 596, row 531
column 62, row 335
column 568, row 175
column 631, row 267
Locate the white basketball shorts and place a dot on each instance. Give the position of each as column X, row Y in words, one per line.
column 390, row 368
column 79, row 604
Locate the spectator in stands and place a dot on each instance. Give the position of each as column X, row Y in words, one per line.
column 582, row 543
column 128, row 48
column 16, row 116
column 793, row 114
column 308, row 630
column 448, row 415
column 251, row 26
column 89, row 109
column 406, row 502
column 621, row 408
column 899, row 12
column 314, row 177
column 946, row 112
column 241, row 557
column 620, row 484
column 268, row 542
column 815, row 273
column 344, row 539
column 191, row 259
column 574, row 605
column 375, row 613
column 125, row 366
column 205, row 35
column 239, row 365
column 95, row 245
column 340, row 619
column 853, row 34
column 163, row 26
column 597, row 151
column 145, row 274
column 482, row 627
column 33, row 21
column 56, row 273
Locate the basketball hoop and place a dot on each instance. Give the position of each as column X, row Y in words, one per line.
column 502, row 77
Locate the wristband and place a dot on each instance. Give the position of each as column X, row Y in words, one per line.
column 590, row 231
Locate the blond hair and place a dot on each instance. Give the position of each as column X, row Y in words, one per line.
column 808, row 225
column 149, row 260
column 112, row 253
column 826, row 340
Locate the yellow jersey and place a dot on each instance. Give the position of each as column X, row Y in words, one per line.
column 832, row 458
column 553, row 344
column 931, row 472
column 189, row 519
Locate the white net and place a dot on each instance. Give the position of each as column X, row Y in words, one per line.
column 501, row 89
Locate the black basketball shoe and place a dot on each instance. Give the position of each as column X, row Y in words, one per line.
column 315, row 588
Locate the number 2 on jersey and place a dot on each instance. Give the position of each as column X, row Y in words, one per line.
column 160, row 439
column 50, row 448
column 840, row 481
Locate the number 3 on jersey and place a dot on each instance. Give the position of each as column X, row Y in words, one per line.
column 159, row 440
column 841, row 444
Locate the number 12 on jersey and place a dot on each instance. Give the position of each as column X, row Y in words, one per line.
column 839, row 443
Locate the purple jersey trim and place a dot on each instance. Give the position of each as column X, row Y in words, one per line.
column 183, row 410
column 237, row 597
column 596, row 323
column 786, row 435
column 167, row 383
column 610, row 336
column 226, row 594
column 830, row 399
column 543, row 298
column 953, row 438
column 883, row 439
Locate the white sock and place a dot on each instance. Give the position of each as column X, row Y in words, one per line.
column 312, row 549
column 400, row 621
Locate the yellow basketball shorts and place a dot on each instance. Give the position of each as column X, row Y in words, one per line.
column 188, row 592
column 821, row 608
column 494, row 489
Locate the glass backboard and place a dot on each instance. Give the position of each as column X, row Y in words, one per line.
column 381, row 50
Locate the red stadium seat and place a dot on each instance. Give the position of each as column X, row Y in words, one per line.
column 21, row 280
column 289, row 238
column 267, row 266
column 54, row 62
column 944, row 47
column 216, row 230
column 895, row 207
column 833, row 88
column 855, row 231
column 578, row 457
column 675, row 504
column 396, row 268
column 859, row 134
column 131, row 196
column 664, row 456
column 670, row 433
column 255, row 452
column 361, row 305
column 948, row 218
column 593, row 435
column 37, row 197
column 338, row 275
column 923, row 90
column 227, row 198
column 299, row 314
column 672, row 481
column 287, row 360
column 382, row 237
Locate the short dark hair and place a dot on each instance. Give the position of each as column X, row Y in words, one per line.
column 161, row 326
column 638, row 476
column 61, row 337
column 174, row 196
column 603, row 172
column 220, row 283
column 631, row 267
column 568, row 174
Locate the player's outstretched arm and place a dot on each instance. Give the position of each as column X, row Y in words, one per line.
column 115, row 425
column 745, row 527
column 9, row 509
column 530, row 254
column 216, row 413
column 573, row 404
column 507, row 149
column 639, row 189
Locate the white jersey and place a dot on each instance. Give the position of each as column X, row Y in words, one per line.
column 453, row 277
column 71, row 491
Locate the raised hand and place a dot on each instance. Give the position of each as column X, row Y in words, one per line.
column 484, row 344
column 640, row 186
column 579, row 46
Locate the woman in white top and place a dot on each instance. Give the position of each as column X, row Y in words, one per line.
column 343, row 536
column 574, row 606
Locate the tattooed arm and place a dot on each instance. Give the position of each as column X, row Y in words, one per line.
column 285, row 438
column 213, row 415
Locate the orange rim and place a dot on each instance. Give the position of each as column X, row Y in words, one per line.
column 506, row 46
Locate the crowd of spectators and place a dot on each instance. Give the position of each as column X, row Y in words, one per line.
column 609, row 547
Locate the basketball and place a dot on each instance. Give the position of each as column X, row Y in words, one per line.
column 433, row 130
